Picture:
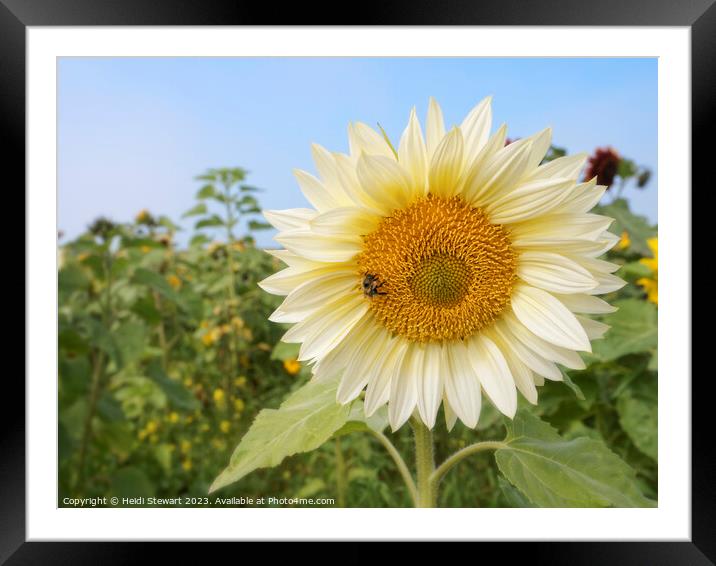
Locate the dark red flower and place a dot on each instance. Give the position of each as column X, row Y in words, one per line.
column 603, row 165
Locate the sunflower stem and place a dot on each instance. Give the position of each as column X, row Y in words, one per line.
column 424, row 464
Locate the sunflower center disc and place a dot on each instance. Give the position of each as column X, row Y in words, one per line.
column 441, row 280
column 444, row 270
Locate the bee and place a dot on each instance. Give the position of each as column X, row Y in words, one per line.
column 371, row 284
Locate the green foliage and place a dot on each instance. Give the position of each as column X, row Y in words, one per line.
column 636, row 226
column 555, row 472
column 638, row 415
column 633, row 330
column 304, row 421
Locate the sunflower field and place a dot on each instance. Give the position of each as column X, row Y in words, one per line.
column 166, row 357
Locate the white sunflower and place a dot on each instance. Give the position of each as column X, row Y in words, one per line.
column 452, row 267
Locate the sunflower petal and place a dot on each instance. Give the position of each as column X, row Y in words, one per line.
column 494, row 374
column 546, row 317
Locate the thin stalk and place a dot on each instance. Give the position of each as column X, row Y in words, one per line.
column 340, row 474
column 399, row 463
column 448, row 464
column 233, row 349
column 97, row 374
column 87, row 425
column 162, row 334
column 424, row 464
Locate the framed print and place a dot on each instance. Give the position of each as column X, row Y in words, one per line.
column 396, row 281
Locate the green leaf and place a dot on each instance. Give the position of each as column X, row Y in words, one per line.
column 284, row 351
column 163, row 456
column 155, row 281
column 210, row 222
column 633, row 329
column 207, row 191
column 626, row 168
column 177, row 395
column 200, row 208
column 638, row 414
column 199, row 240
column 247, row 200
column 131, row 482
column 573, row 386
column 303, row 422
column 358, row 422
column 168, row 224
column 145, row 308
column 513, row 496
column 554, row 472
column 74, row 375
column 256, row 225
column 72, row 341
column 72, row 278
column 634, row 270
column 637, row 227
column 115, row 437
column 130, row 338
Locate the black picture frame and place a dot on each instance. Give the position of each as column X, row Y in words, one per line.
column 17, row 15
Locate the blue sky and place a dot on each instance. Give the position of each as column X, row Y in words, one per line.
column 132, row 133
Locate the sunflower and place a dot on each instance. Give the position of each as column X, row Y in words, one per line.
column 448, row 268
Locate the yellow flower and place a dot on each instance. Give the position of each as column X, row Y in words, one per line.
column 652, row 262
column 240, row 382
column 239, row 405
column 186, row 465
column 83, row 256
column 188, row 382
column 185, row 446
column 145, row 249
column 238, row 322
column 292, row 366
column 219, row 396
column 142, row 216
column 624, row 242
column 263, row 346
column 651, row 284
column 152, row 427
column 174, row 281
column 142, row 434
column 212, row 336
column 173, row 417
column 225, row 426
column 204, row 324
